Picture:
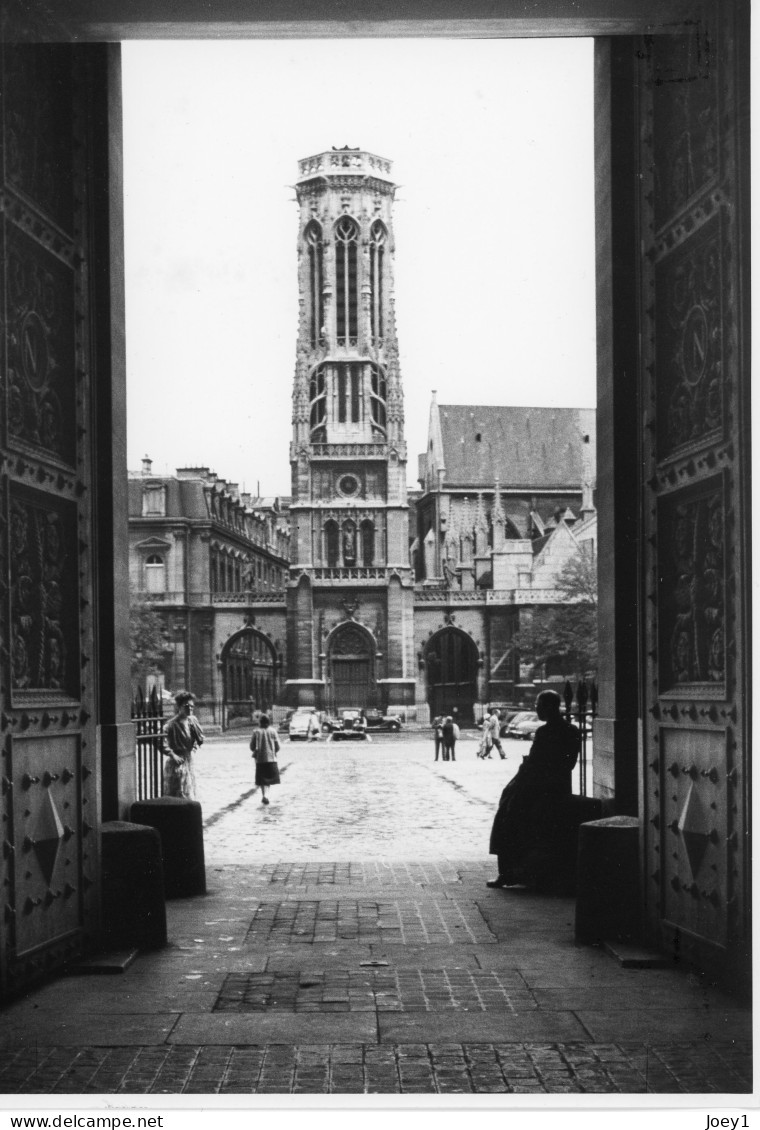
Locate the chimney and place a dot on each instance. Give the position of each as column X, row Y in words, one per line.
column 147, row 465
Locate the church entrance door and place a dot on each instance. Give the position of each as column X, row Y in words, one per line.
column 351, row 680
column 249, row 669
column 451, row 661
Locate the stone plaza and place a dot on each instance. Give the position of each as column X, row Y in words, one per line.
column 348, row 945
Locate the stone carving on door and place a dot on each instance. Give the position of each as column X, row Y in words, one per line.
column 40, row 311
column 44, row 597
column 691, row 590
column 689, row 358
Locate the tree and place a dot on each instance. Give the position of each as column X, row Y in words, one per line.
column 563, row 637
column 148, row 639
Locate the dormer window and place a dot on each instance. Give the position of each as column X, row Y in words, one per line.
column 154, row 501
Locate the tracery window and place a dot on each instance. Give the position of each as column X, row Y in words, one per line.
column 368, row 542
column 378, row 238
column 346, row 281
column 378, row 398
column 318, row 405
column 313, row 238
column 332, row 548
column 348, row 378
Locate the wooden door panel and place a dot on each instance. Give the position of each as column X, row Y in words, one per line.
column 695, row 763
column 47, row 694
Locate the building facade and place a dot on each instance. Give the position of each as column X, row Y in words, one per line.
column 214, row 563
column 506, row 503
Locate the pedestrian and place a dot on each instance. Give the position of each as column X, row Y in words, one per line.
column 484, row 747
column 450, row 732
column 266, row 745
column 312, row 732
column 438, row 734
column 494, row 727
column 182, row 736
column 526, row 820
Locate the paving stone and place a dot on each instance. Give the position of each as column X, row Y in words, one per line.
column 312, row 959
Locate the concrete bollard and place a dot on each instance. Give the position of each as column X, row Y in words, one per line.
column 134, row 911
column 179, row 823
column 607, row 894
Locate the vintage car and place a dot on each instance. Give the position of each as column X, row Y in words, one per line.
column 524, row 725
column 378, row 721
column 350, row 724
column 300, row 725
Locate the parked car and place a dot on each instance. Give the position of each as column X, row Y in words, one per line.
column 350, row 724
column 524, row 725
column 376, row 720
column 298, row 728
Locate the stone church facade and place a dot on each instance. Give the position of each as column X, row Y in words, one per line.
column 351, row 591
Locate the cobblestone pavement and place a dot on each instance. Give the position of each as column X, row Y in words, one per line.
column 384, row 799
column 348, row 944
column 516, row 1069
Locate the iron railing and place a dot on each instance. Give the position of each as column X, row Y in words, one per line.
column 581, row 708
column 148, row 716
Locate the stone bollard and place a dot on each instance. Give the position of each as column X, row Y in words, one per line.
column 555, row 864
column 179, row 823
column 134, row 911
column 607, row 897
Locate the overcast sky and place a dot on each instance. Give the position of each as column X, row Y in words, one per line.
column 492, row 147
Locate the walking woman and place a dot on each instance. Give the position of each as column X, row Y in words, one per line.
column 266, row 745
column 182, row 737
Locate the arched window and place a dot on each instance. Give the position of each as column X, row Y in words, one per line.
column 332, row 548
column 346, row 281
column 313, row 237
column 318, row 405
column 155, row 574
column 378, row 398
column 368, row 542
column 378, row 238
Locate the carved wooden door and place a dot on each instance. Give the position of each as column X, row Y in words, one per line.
column 694, row 447
column 49, row 768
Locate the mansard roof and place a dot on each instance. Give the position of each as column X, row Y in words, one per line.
column 530, row 448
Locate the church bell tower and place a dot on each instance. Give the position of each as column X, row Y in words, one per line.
column 351, row 590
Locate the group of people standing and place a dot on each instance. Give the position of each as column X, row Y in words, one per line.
column 446, row 735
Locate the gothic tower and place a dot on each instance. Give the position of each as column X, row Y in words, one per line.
column 350, row 595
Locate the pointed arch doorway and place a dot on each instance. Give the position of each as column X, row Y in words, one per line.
column 451, row 663
column 351, row 669
column 249, row 676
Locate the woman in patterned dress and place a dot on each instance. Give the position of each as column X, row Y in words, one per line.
column 182, row 737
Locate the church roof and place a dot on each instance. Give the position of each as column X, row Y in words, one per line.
column 531, row 448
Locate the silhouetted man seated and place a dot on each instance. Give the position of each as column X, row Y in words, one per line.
column 524, row 833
